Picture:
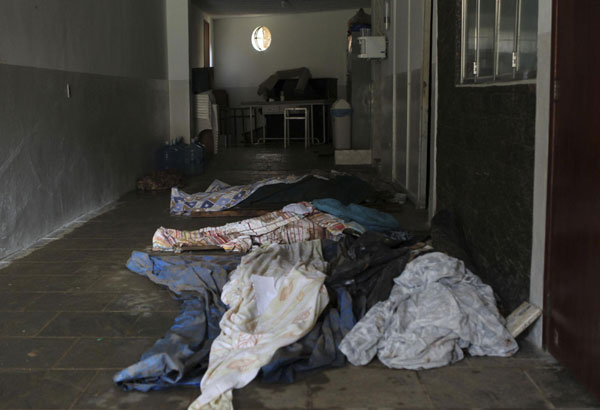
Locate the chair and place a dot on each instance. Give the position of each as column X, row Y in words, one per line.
column 295, row 114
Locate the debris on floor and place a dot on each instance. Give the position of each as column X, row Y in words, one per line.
column 160, row 180
column 522, row 317
column 220, row 196
column 398, row 198
column 360, row 273
column 436, row 309
column 322, row 283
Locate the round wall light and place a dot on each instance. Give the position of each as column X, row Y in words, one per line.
column 261, row 38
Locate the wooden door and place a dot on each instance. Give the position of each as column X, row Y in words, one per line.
column 573, row 232
column 206, row 44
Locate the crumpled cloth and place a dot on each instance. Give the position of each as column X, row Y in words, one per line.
column 181, row 356
column 275, row 227
column 318, row 350
column 361, row 273
column 220, row 196
column 366, row 267
column 248, row 340
column 436, row 308
column 371, row 219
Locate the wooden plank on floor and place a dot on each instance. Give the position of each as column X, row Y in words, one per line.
column 230, row 213
column 192, row 249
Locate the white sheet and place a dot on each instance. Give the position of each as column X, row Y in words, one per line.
column 248, row 339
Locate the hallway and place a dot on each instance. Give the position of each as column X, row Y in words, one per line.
column 72, row 315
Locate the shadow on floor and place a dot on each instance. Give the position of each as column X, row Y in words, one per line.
column 72, row 315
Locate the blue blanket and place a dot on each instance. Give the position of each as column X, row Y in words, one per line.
column 181, row 357
column 371, row 219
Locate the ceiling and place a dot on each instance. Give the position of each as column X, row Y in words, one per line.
column 222, row 8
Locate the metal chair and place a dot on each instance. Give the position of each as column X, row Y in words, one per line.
column 295, row 114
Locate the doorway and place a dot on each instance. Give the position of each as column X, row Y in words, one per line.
column 412, row 68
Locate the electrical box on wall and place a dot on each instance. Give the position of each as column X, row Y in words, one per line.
column 372, row 47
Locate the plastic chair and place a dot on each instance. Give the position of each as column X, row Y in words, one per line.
column 295, row 114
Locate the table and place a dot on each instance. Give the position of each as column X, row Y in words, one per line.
column 277, row 108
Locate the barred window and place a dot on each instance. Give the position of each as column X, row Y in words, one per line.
column 498, row 40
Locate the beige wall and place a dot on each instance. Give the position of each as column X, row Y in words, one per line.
column 313, row 40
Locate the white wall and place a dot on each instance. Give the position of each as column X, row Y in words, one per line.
column 197, row 19
column 62, row 157
column 400, row 96
column 313, row 40
column 540, row 183
column 177, row 18
column 108, row 37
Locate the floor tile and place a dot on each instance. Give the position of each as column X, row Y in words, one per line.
column 18, row 283
column 70, row 302
column 562, row 389
column 41, row 268
column 90, row 353
column 123, row 281
column 44, row 255
column 109, row 316
column 528, row 356
column 158, row 301
column 23, row 324
column 98, row 268
column 103, row 394
column 272, row 396
column 153, row 324
column 70, row 324
column 112, row 244
column 463, row 387
column 16, row 301
column 349, row 386
column 109, row 256
column 32, row 352
column 78, row 255
column 48, row 389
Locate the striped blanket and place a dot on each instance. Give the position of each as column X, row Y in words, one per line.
column 279, row 227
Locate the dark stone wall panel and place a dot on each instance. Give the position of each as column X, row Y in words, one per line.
column 485, row 164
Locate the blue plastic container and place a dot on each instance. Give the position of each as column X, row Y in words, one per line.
column 170, row 156
column 194, row 159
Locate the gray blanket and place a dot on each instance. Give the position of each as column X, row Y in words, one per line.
column 437, row 308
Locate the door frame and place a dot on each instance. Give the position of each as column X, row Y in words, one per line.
column 401, row 167
column 551, row 162
column 206, row 48
column 541, row 167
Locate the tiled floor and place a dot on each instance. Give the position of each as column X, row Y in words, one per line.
column 71, row 315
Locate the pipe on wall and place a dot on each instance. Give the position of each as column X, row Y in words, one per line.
column 394, row 87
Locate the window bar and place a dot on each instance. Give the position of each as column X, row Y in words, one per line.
column 463, row 53
column 516, row 47
column 477, row 31
column 497, row 39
